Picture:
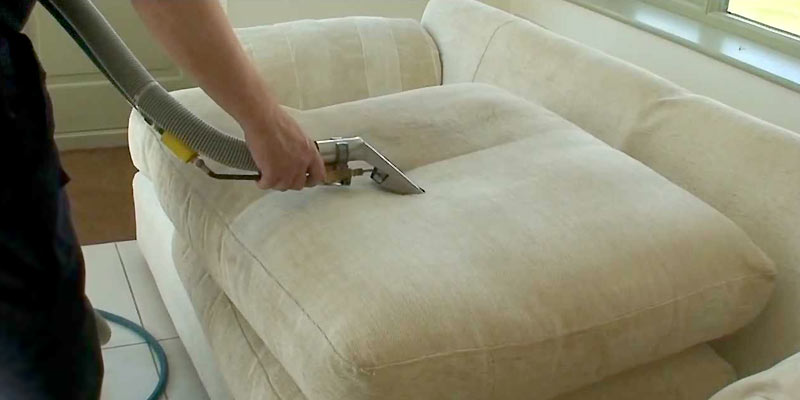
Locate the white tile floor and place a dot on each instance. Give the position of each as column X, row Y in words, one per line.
column 118, row 280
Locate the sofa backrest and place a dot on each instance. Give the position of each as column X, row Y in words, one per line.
column 316, row 63
column 746, row 168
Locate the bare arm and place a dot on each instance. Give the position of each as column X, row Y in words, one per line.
column 200, row 39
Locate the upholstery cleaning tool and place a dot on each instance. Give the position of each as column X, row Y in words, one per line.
column 185, row 134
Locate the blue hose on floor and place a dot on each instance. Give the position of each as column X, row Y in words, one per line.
column 161, row 356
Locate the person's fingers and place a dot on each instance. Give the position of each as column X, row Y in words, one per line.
column 274, row 181
column 266, row 182
column 316, row 172
column 309, row 184
column 289, row 160
column 299, row 182
column 286, row 182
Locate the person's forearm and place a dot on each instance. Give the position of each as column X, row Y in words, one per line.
column 199, row 37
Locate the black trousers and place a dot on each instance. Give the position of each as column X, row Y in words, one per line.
column 48, row 339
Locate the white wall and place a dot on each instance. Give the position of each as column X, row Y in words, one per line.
column 690, row 69
column 88, row 110
column 258, row 12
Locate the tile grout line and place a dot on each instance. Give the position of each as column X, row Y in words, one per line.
column 166, row 395
column 127, row 281
column 119, row 346
column 138, row 313
column 130, row 287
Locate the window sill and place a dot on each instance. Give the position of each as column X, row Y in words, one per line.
column 727, row 47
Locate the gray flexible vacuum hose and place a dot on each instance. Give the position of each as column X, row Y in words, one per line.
column 88, row 27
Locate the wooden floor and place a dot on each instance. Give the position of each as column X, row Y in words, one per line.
column 101, row 194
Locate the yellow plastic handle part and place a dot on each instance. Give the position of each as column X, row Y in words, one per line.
column 180, row 149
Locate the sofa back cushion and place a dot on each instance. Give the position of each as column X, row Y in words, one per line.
column 750, row 171
column 311, row 64
column 746, row 168
column 582, row 85
column 479, row 43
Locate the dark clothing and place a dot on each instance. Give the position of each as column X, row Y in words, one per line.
column 48, row 338
column 14, row 13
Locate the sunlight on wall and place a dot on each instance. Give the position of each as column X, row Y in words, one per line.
column 781, row 14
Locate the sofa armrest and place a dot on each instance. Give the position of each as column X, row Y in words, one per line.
column 317, row 63
column 779, row 382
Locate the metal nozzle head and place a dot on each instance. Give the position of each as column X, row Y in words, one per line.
column 396, row 182
column 385, row 174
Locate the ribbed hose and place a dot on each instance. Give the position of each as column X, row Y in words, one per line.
column 166, row 112
column 88, row 27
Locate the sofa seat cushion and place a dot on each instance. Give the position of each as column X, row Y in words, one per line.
column 694, row 374
column 539, row 261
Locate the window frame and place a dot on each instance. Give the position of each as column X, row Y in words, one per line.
column 762, row 50
column 716, row 15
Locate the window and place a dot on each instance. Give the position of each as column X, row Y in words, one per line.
column 774, row 23
column 783, row 15
column 759, row 36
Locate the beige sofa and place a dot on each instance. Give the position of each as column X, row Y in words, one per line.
column 590, row 231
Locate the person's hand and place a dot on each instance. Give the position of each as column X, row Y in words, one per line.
column 286, row 157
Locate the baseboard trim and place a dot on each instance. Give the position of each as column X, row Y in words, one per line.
column 92, row 139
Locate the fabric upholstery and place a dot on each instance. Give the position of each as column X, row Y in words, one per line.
column 781, row 382
column 695, row 374
column 540, row 260
column 249, row 368
column 601, row 94
column 311, row 64
column 463, row 30
column 747, row 169
column 253, row 372
column 750, row 171
column 580, row 84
